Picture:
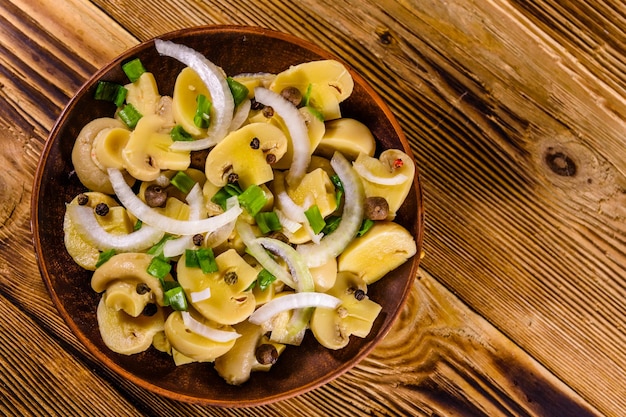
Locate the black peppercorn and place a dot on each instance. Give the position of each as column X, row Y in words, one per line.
column 270, row 158
column 268, row 111
column 255, row 143
column 82, row 199
column 142, row 288
column 102, row 209
column 233, row 178
column 359, row 294
column 150, row 310
column 266, row 354
column 292, row 95
column 231, row 278
column 155, row 196
column 198, row 239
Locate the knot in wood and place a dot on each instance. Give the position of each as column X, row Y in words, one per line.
column 560, row 163
column 384, row 35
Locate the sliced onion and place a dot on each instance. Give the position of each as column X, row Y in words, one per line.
column 297, row 266
column 215, row 81
column 290, row 208
column 258, row 252
column 377, row 179
column 87, row 226
column 297, row 130
column 198, row 296
column 333, row 244
column 175, row 247
column 241, row 114
column 291, row 302
column 206, row 331
column 153, row 218
column 287, row 223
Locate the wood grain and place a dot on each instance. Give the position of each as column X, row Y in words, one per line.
column 516, row 114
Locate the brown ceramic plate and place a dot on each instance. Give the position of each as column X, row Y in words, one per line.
column 300, row 369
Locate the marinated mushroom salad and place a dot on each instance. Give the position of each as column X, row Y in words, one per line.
column 223, row 221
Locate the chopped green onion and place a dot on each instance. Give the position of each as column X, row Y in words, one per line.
column 315, row 218
column 159, row 267
column 307, row 95
column 315, row 112
column 182, row 181
column 191, row 258
column 137, row 225
column 129, row 115
column 109, row 91
column 206, row 259
column 203, row 112
column 178, row 133
column 175, row 298
column 133, row 69
column 365, row 226
column 157, row 250
column 224, row 193
column 238, row 90
column 105, row 256
column 268, row 222
column 253, row 199
column 338, row 188
column 332, row 222
column 264, row 279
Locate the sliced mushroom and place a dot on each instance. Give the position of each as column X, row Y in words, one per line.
column 391, row 176
column 131, row 268
column 148, row 150
column 329, row 82
column 235, row 365
column 229, row 303
column 193, row 345
column 315, row 129
column 252, row 164
column 143, row 94
column 89, row 174
column 348, row 136
column 386, row 246
column 325, row 275
column 187, row 88
column 355, row 315
column 108, row 146
column 316, row 188
column 123, row 295
column 116, row 221
column 125, row 334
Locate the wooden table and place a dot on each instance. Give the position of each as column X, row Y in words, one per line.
column 516, row 113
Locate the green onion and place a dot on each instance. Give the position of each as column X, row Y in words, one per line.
column 182, row 181
column 105, row 256
column 203, row 112
column 365, row 226
column 178, row 133
column 332, row 222
column 175, row 298
column 159, row 267
column 268, row 222
column 137, row 225
column 130, row 115
column 109, row 91
column 338, row 188
column 315, row 112
column 191, row 258
column 315, row 218
column 224, row 193
column 253, row 199
column 264, row 279
column 307, row 95
column 157, row 250
column 238, row 90
column 206, row 259
column 133, row 69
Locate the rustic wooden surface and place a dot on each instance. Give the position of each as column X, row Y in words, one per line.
column 517, row 116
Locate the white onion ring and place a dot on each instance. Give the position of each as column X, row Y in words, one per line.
column 198, row 296
column 215, row 81
column 292, row 302
column 297, row 130
column 333, row 244
column 175, row 247
column 90, row 230
column 168, row 225
column 197, row 327
column 377, row 179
